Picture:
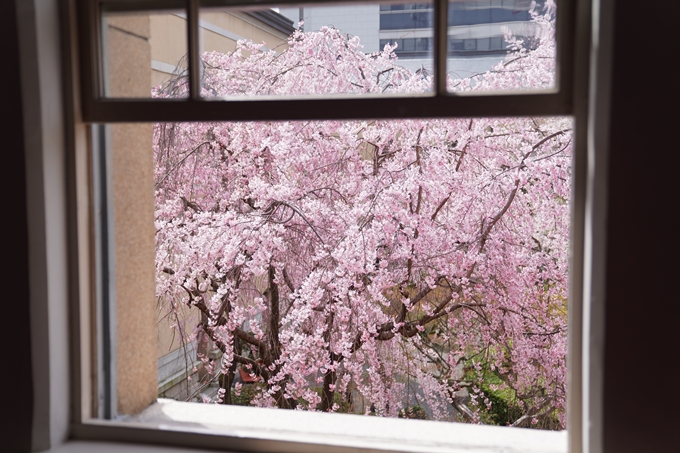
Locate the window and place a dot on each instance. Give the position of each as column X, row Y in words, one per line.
column 410, row 46
column 637, row 211
column 102, row 105
column 119, row 26
column 406, row 20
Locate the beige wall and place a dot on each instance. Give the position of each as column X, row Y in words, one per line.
column 168, row 43
column 241, row 25
column 133, row 212
column 127, row 41
column 219, row 32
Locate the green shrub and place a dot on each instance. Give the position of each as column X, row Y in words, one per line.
column 248, row 392
column 413, row 412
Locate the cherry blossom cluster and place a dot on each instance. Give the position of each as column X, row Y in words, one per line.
column 410, row 262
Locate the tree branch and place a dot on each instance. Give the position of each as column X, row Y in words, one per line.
column 485, row 234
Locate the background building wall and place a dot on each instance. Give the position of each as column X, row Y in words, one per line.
column 219, row 31
column 363, row 21
column 359, row 20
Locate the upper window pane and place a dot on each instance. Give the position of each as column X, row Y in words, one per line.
column 313, row 50
column 490, row 38
column 359, row 49
column 135, row 42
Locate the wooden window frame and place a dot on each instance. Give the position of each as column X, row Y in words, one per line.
column 569, row 97
column 440, row 103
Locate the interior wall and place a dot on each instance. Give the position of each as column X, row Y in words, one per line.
column 642, row 332
column 15, row 336
column 40, row 87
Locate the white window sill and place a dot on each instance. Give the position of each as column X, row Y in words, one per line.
column 333, row 430
column 84, row 446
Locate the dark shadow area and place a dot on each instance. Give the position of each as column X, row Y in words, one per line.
column 641, row 396
column 15, row 335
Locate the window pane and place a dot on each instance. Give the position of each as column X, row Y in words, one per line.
column 406, row 268
column 487, row 38
column 138, row 43
column 314, row 50
column 413, row 268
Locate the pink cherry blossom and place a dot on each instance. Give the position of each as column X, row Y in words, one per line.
column 372, row 258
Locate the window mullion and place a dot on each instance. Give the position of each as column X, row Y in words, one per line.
column 193, row 47
column 564, row 36
column 440, row 45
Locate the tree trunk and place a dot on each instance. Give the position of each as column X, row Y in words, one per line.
column 225, row 383
column 274, row 345
column 330, row 376
column 328, row 395
column 228, row 379
column 275, row 314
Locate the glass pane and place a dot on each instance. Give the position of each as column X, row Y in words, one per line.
column 316, row 50
column 412, row 268
column 501, row 45
column 144, row 54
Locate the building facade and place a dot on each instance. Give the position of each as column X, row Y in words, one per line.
column 476, row 29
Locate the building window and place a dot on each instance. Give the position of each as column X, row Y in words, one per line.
column 406, row 20
column 475, row 27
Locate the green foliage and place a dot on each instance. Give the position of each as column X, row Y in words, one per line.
column 344, row 406
column 248, row 392
column 413, row 412
column 504, row 408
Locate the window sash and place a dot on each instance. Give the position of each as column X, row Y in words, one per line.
column 439, row 103
column 569, row 97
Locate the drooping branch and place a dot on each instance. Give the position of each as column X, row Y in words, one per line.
column 181, row 161
column 270, row 210
column 440, row 206
column 542, row 141
column 497, row 217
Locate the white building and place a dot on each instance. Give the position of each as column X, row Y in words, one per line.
column 476, row 29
